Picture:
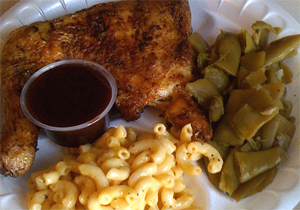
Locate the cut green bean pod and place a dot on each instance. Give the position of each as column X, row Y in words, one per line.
column 247, row 43
column 262, row 30
column 286, row 130
column 247, row 121
column 224, row 134
column 216, row 77
column 216, row 109
column 285, row 126
column 255, row 143
column 254, row 130
column 287, row 74
column 276, row 90
column 229, row 181
column 203, row 91
column 241, row 75
column 292, row 54
column 198, row 43
column 246, row 147
column 254, row 98
column 268, row 133
column 261, row 100
column 255, row 185
column 283, row 140
column 251, row 164
column 256, row 78
column 287, row 109
column 253, row 61
column 274, row 74
column 279, row 49
column 230, row 53
column 202, row 60
column 237, row 99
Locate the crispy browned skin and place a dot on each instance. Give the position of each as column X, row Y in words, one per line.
column 183, row 110
column 144, row 44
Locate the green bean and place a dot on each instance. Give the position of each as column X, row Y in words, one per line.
column 279, row 49
column 261, row 100
column 255, row 185
column 253, row 61
column 251, row 164
column 247, row 121
column 248, row 74
column 237, row 99
column 283, row 140
column 224, row 134
column 203, row 91
column 287, row 109
column 241, row 82
column 276, row 90
column 230, row 53
column 255, row 144
column 246, row 147
column 198, row 43
column 216, row 109
column 268, row 133
column 262, row 30
column 274, row 74
column 213, row 50
column 252, row 145
column 256, row 78
column 217, row 77
column 285, row 126
column 287, row 74
column 292, row 54
column 258, row 25
column 194, row 55
column 247, row 43
column 261, row 37
column 202, row 60
column 229, row 181
column 292, row 119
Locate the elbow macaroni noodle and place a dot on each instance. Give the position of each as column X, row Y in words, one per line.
column 122, row 170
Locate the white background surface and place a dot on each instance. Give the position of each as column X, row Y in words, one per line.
column 292, row 6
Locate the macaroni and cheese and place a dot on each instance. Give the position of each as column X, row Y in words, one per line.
column 124, row 171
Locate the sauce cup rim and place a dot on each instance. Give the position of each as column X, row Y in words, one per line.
column 105, row 73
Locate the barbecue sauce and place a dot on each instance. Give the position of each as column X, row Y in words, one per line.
column 68, row 95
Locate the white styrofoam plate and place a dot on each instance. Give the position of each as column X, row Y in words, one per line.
column 208, row 17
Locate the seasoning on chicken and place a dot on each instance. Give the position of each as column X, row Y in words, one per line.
column 144, row 44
